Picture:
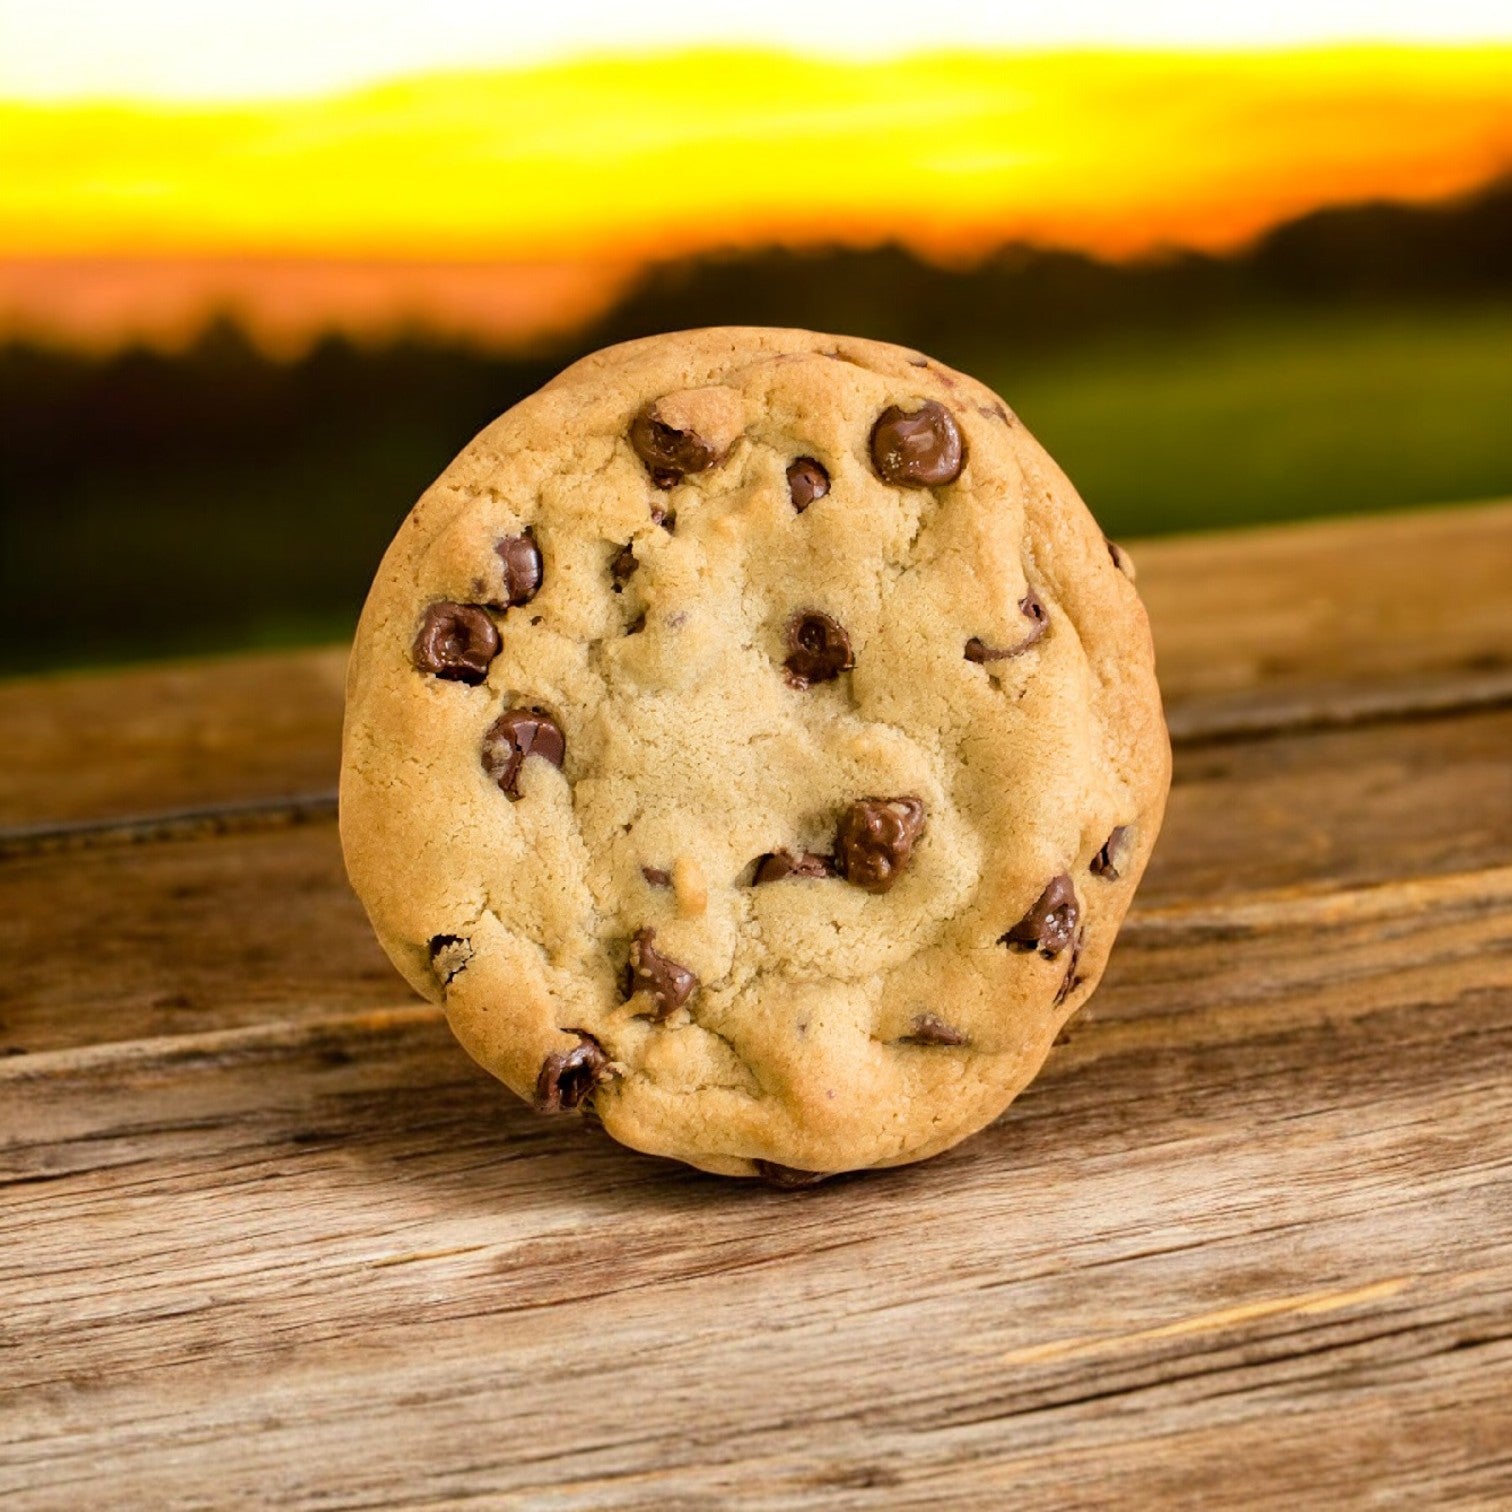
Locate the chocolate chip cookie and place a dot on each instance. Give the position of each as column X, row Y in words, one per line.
column 752, row 738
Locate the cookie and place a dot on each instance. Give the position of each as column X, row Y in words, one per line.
column 752, row 738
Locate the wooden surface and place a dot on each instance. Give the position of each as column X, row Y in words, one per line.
column 268, row 1238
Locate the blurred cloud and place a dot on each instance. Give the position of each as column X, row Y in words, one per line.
column 231, row 49
column 503, row 205
column 625, row 158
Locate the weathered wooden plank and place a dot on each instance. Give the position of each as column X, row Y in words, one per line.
column 1286, row 626
column 126, row 941
column 122, row 941
column 162, row 738
column 1380, row 612
column 1250, row 1230
column 1336, row 807
column 267, row 1236
column 119, row 941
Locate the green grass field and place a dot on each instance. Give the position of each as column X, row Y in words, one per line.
column 1337, row 414
column 246, row 504
column 1341, row 414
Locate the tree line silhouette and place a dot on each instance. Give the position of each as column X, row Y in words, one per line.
column 219, row 496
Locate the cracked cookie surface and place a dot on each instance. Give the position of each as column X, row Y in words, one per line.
column 752, row 737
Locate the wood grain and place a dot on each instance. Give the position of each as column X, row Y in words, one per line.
column 232, row 730
column 1332, row 619
column 1238, row 1226
column 246, row 925
column 1321, row 623
column 268, row 1238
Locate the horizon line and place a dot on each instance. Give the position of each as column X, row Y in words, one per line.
column 285, row 306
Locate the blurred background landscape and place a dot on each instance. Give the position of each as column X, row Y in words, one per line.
column 246, row 316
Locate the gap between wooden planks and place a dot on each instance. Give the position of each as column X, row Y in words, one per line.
column 1263, row 1228
column 1245, row 1243
column 1289, row 626
column 248, row 925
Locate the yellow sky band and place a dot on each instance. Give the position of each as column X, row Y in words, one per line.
column 631, row 157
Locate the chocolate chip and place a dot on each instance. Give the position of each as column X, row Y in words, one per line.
column 656, row 876
column 919, row 448
column 521, row 558
column 875, row 840
column 1050, row 925
column 977, row 650
column 929, row 1030
column 457, row 642
column 807, row 481
column 819, row 650
column 994, row 412
column 666, row 518
column 669, row 983
column 1071, row 980
column 1108, row 861
column 512, row 737
column 788, row 1178
column 637, row 624
column 568, row 1077
column 1121, row 558
column 622, row 568
column 669, row 454
column 449, row 955
column 778, row 864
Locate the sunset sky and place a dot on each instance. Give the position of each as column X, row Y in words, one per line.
column 499, row 170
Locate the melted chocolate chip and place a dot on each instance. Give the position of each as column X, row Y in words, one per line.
column 819, row 650
column 977, row 650
column 669, row 454
column 788, row 1178
column 449, row 955
column 875, row 840
column 1107, row 862
column 929, row 1030
column 521, row 559
column 807, row 481
column 457, row 642
column 623, row 567
column 1121, row 558
column 1050, row 925
column 669, row 983
column 782, row 863
column 568, row 1077
column 1072, row 979
column 512, row 737
column 920, row 448
column 994, row 412
column 637, row 624
column 666, row 518
column 656, row 877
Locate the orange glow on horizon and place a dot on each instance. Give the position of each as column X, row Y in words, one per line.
column 573, row 173
column 97, row 304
